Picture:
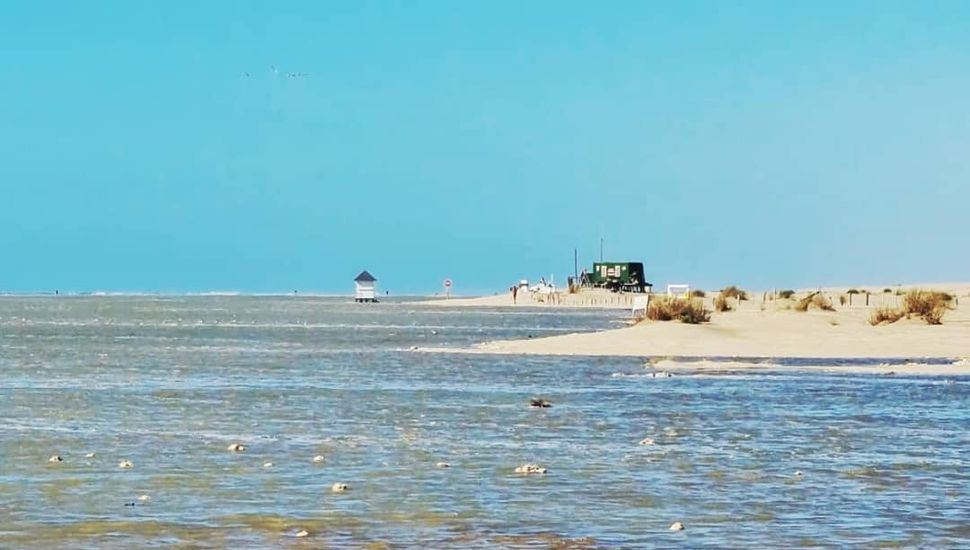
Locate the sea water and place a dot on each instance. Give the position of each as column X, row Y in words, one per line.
column 781, row 458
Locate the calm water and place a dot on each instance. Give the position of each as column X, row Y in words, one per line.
column 168, row 383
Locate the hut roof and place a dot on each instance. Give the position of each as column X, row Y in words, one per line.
column 365, row 277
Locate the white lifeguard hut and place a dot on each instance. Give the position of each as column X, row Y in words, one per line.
column 365, row 288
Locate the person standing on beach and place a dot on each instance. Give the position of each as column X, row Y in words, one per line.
column 515, row 292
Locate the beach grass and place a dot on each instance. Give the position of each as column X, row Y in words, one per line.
column 665, row 308
column 815, row 300
column 930, row 305
column 885, row 315
column 734, row 292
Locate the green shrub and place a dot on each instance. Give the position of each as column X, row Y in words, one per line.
column 698, row 293
column 786, row 294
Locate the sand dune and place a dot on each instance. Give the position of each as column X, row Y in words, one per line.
column 769, row 329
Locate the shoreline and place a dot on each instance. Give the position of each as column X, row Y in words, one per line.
column 714, row 365
column 769, row 328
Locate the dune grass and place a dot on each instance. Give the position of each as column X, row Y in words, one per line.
column 887, row 315
column 663, row 308
column 928, row 305
column 722, row 304
column 815, row 300
column 786, row 294
column 734, row 292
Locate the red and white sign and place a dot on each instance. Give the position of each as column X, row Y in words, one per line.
column 447, row 283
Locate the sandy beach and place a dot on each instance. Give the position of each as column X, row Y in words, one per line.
column 599, row 299
column 770, row 328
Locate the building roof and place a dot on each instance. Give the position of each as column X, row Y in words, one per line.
column 365, row 277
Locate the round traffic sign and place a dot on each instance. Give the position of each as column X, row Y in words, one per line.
column 447, row 283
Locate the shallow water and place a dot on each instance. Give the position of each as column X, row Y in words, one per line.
column 169, row 382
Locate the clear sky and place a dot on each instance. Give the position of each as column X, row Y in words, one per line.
column 151, row 146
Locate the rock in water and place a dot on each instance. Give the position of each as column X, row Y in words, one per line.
column 677, row 526
column 339, row 487
column 302, row 533
column 90, row 455
column 125, row 464
column 530, row 469
column 539, row 404
column 318, row 459
column 55, row 459
column 443, row 465
column 267, row 464
column 236, row 447
column 646, row 441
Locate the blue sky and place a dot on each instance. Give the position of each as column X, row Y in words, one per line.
column 761, row 143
